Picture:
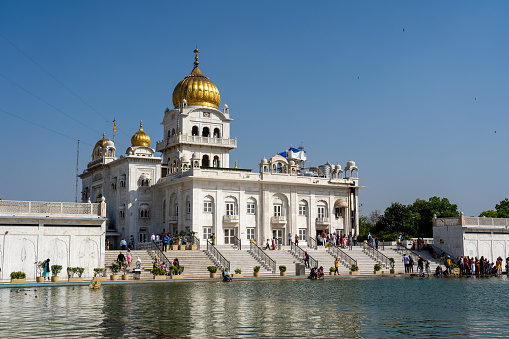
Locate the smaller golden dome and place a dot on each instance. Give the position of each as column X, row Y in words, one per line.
column 140, row 138
column 102, row 142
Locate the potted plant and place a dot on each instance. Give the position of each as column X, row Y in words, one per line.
column 159, row 273
column 115, row 268
column 282, row 271
column 256, row 271
column 125, row 276
column 18, row 277
column 39, row 265
column 55, row 271
column 455, row 269
column 212, row 270
column 176, row 272
column 192, row 247
column 392, row 270
column 71, row 271
column 238, row 273
column 332, row 269
column 354, row 270
column 99, row 274
column 377, row 269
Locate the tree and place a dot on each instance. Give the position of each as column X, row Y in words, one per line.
column 489, row 214
column 503, row 209
column 423, row 212
column 396, row 219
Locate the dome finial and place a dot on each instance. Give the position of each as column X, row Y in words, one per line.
column 141, row 125
column 104, row 134
column 196, row 62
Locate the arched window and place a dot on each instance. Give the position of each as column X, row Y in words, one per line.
column 208, row 204
column 173, row 132
column 303, row 208
column 217, row 134
column 205, row 162
column 144, row 211
column 195, row 131
column 251, row 206
column 206, row 132
column 279, row 168
column 216, row 161
column 322, row 209
column 231, row 206
column 169, row 134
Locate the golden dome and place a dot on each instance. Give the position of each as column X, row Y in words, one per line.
column 140, row 138
column 197, row 89
column 102, row 142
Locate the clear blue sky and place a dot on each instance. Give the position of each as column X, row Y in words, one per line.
column 412, row 91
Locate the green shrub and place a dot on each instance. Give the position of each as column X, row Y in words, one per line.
column 282, row 268
column 212, row 269
column 99, row 272
column 79, row 271
column 70, row 272
column 391, row 260
column 115, row 268
column 18, row 275
column 377, row 267
column 332, row 269
column 56, row 269
column 176, row 270
column 238, row 271
column 256, row 268
column 158, row 271
column 354, row 268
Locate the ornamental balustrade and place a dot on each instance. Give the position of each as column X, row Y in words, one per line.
column 195, row 139
column 12, row 207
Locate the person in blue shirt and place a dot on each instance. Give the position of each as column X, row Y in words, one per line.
column 166, row 240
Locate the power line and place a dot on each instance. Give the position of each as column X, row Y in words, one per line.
column 67, row 88
column 46, row 128
column 47, row 103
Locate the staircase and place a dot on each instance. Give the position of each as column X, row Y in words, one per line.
column 392, row 252
column 283, row 257
column 244, row 260
column 195, row 262
column 146, row 262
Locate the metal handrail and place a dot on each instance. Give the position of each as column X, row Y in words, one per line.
column 221, row 261
column 301, row 254
column 154, row 251
column 263, row 257
column 403, row 249
column 195, row 241
column 378, row 256
column 237, row 243
column 312, row 243
column 337, row 252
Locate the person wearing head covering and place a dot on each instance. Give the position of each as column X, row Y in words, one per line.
column 129, row 257
column 46, row 269
column 138, row 262
column 121, row 257
column 153, row 237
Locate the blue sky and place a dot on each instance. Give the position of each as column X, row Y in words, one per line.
column 412, row 91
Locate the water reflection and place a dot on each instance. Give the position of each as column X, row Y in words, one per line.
column 354, row 308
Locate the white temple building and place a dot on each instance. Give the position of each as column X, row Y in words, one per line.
column 192, row 187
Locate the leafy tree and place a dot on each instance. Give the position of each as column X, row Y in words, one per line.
column 423, row 212
column 366, row 224
column 503, row 209
column 489, row 214
column 396, row 218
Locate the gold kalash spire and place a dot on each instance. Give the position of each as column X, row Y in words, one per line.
column 196, row 88
column 140, row 138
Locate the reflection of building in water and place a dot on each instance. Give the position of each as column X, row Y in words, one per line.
column 192, row 187
column 472, row 236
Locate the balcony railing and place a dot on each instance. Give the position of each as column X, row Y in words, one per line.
column 231, row 218
column 173, row 219
column 11, row 207
column 280, row 219
column 323, row 221
column 195, row 139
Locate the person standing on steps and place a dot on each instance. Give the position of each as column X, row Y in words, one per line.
column 306, row 259
column 406, row 261
column 336, row 266
column 213, row 239
column 289, row 238
column 166, row 241
column 355, row 239
column 123, row 244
